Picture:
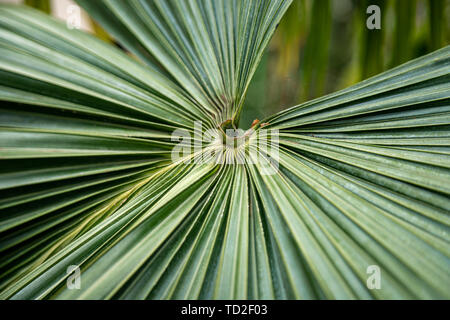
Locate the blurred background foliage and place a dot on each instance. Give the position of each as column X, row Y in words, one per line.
column 322, row 46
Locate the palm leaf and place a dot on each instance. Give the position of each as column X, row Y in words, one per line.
column 87, row 177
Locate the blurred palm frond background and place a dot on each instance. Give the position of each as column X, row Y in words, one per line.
column 322, row 46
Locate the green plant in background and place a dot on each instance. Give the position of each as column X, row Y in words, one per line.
column 404, row 30
column 371, row 52
column 324, row 46
column 43, row 5
column 87, row 177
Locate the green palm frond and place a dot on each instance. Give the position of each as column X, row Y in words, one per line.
column 87, row 176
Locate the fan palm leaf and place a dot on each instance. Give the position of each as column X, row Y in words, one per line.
column 88, row 179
